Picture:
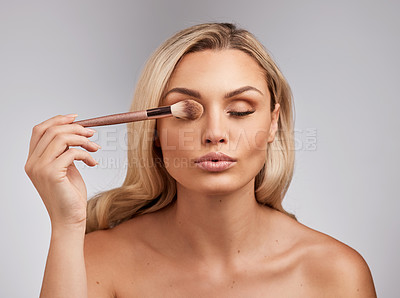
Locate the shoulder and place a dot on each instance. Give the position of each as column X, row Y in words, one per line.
column 332, row 266
column 98, row 253
column 324, row 264
column 106, row 252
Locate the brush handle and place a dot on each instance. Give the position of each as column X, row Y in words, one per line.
column 114, row 119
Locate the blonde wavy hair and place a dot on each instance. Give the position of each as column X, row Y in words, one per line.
column 148, row 187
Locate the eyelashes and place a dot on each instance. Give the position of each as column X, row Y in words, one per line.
column 241, row 114
column 235, row 114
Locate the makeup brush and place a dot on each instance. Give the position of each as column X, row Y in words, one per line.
column 185, row 109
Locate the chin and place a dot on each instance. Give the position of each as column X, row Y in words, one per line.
column 216, row 185
column 217, row 190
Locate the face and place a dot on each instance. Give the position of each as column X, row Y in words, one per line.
column 237, row 122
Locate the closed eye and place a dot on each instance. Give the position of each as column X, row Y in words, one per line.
column 239, row 114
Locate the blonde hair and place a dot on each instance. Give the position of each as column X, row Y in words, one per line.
column 148, row 187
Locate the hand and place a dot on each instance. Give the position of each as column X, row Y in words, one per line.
column 51, row 168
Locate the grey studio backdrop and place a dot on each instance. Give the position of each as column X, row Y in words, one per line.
column 340, row 58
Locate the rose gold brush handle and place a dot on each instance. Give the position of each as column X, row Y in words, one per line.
column 114, row 119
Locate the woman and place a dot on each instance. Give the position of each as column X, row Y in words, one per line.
column 200, row 212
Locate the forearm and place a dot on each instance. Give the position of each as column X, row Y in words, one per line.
column 65, row 274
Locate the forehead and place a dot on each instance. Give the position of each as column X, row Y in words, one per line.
column 226, row 67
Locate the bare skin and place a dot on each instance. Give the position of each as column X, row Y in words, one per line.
column 215, row 240
column 293, row 261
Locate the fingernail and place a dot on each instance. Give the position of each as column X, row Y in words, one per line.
column 71, row 115
column 97, row 145
column 90, row 130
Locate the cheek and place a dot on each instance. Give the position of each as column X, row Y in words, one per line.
column 167, row 134
column 261, row 139
column 256, row 155
column 179, row 139
column 177, row 147
column 168, row 140
column 250, row 139
column 253, row 134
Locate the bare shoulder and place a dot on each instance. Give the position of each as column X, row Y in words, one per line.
column 106, row 254
column 331, row 266
column 98, row 252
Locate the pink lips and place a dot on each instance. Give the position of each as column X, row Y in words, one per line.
column 215, row 162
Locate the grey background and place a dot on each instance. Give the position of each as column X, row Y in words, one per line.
column 340, row 57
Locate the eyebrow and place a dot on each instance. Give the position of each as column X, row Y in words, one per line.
column 196, row 94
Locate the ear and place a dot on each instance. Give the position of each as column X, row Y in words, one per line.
column 274, row 123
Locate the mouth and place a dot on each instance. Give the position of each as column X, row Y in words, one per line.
column 215, row 162
column 215, row 157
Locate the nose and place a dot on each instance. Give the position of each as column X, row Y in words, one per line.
column 215, row 128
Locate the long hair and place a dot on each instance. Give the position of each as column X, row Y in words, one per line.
column 148, row 187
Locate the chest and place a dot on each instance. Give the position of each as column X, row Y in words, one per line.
column 175, row 280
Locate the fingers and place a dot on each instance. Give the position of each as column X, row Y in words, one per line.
column 39, row 130
column 50, row 166
column 61, row 142
column 57, row 132
column 67, row 158
column 52, row 138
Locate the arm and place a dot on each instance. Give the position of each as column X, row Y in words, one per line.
column 355, row 277
column 65, row 274
column 100, row 263
column 50, row 166
column 78, row 265
column 338, row 270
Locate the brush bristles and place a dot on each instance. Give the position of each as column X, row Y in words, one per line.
column 187, row 109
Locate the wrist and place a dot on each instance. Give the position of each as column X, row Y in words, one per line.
column 58, row 228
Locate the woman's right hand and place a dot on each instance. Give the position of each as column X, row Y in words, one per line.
column 51, row 168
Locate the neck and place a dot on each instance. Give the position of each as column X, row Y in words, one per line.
column 218, row 226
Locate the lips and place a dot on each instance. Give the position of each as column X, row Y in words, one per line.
column 215, row 157
column 215, row 162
